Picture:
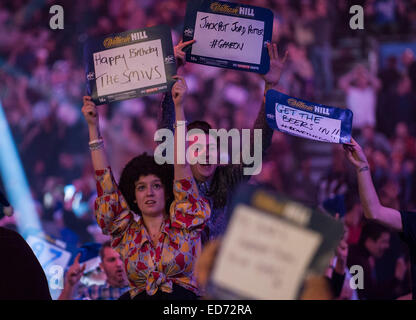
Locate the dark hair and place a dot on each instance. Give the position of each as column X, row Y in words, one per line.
column 106, row 244
column 203, row 125
column 144, row 165
column 372, row 230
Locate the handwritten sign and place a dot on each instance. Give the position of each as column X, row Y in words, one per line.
column 228, row 35
column 270, row 245
column 308, row 120
column 130, row 64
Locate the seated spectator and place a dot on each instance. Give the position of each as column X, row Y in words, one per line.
column 374, row 241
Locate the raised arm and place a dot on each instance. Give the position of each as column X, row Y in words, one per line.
column 344, row 82
column 111, row 209
column 372, row 207
column 189, row 210
column 98, row 155
column 166, row 116
column 271, row 80
column 182, row 168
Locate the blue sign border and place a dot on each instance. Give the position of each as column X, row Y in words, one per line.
column 153, row 33
column 261, row 14
column 345, row 115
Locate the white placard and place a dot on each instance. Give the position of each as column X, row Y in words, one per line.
column 307, row 125
column 230, row 38
column 262, row 257
column 129, row 67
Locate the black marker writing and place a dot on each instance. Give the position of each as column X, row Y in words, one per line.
column 222, row 44
column 217, row 26
column 138, row 75
column 112, row 60
column 142, row 52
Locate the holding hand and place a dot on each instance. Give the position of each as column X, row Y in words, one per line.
column 276, row 66
column 89, row 111
column 356, row 155
column 179, row 90
column 179, row 54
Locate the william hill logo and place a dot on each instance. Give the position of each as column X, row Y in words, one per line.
column 246, row 12
column 225, row 8
column 116, row 41
column 299, row 104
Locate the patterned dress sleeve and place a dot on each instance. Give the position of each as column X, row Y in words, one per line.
column 188, row 211
column 111, row 210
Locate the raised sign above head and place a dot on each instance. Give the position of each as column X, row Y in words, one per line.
column 228, row 35
column 129, row 64
column 308, row 120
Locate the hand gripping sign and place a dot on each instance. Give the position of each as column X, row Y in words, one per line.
column 228, row 35
column 308, row 120
column 271, row 244
column 129, row 64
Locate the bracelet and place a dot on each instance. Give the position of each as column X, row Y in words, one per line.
column 365, row 168
column 96, row 144
column 95, row 141
column 180, row 123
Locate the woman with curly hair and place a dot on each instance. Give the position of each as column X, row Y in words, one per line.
column 160, row 248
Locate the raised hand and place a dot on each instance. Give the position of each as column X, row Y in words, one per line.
column 356, row 155
column 75, row 272
column 89, row 110
column 276, row 65
column 179, row 54
column 179, row 90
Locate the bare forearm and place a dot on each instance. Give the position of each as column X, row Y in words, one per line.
column 371, row 203
column 182, row 169
column 368, row 195
column 99, row 157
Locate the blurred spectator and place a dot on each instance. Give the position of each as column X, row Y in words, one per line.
column 116, row 280
column 360, row 88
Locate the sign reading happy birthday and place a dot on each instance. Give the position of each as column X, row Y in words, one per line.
column 308, row 120
column 129, row 64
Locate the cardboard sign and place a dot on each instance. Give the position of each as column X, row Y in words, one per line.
column 308, row 120
column 228, row 35
column 129, row 64
column 270, row 245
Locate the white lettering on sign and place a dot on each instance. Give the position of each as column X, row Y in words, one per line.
column 138, row 35
column 227, row 37
column 274, row 250
column 130, row 67
column 308, row 125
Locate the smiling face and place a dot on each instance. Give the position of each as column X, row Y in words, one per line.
column 204, row 145
column 150, row 195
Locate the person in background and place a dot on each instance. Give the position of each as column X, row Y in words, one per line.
column 116, row 281
column 361, row 89
column 397, row 220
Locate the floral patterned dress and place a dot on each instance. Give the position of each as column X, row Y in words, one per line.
column 171, row 261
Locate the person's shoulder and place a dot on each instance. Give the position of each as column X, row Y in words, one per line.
column 8, row 233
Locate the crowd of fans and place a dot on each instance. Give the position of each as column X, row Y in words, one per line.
column 43, row 81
